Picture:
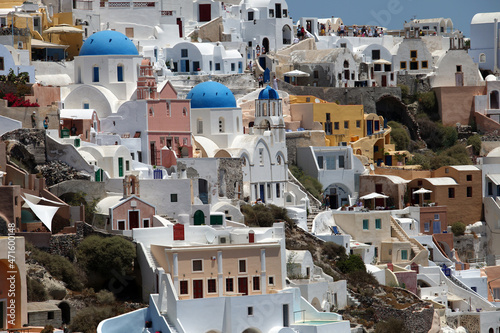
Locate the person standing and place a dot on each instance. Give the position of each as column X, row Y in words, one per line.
column 261, row 81
column 275, row 83
column 46, row 123
column 33, row 119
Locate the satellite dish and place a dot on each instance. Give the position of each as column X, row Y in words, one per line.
column 199, row 40
column 372, row 168
column 210, row 236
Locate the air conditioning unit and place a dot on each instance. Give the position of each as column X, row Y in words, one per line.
column 223, row 240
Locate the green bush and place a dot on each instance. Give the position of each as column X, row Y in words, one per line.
column 104, row 258
column 59, row 267
column 458, row 228
column 400, row 138
column 353, row 263
column 428, row 102
column 311, row 184
column 391, row 325
column 105, row 297
column 421, row 159
column 263, row 215
column 475, row 142
column 36, row 290
column 88, row 318
column 334, row 251
column 450, row 136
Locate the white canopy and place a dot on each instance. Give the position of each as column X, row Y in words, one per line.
column 297, row 73
column 382, row 62
column 374, row 195
column 44, row 213
column 63, row 29
column 422, row 191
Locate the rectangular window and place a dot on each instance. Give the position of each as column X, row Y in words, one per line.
column 121, row 225
column 330, row 163
column 86, row 106
column 387, row 68
column 402, row 65
column 469, row 192
column 413, row 65
column 250, row 17
column 210, row 64
column 496, row 293
column 211, row 286
column 404, row 254
column 278, row 190
column 256, row 283
column 375, row 54
column 365, row 224
column 127, row 165
column 376, row 126
column 196, row 66
column 377, row 68
column 358, row 123
column 285, row 13
column 451, row 192
column 197, row 265
column 341, row 161
column 95, row 77
column 459, row 68
column 413, row 53
column 271, row 280
column 242, row 266
column 145, row 223
column 436, row 217
column 271, row 12
column 119, row 73
column 343, row 45
column 250, row 310
column 199, row 127
column 217, row 66
column 425, row 64
column 129, row 32
column 184, row 289
column 2, row 65
column 320, row 161
column 173, row 197
column 233, row 67
column 378, row 223
column 427, row 226
column 316, row 74
column 229, row 284
column 269, row 192
column 336, row 125
column 184, row 53
column 469, row 178
column 346, row 123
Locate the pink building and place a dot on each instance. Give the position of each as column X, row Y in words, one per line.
column 168, row 118
column 130, row 213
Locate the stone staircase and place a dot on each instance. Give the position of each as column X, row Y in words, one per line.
column 171, row 325
column 351, row 299
column 397, row 233
column 151, row 258
column 312, row 214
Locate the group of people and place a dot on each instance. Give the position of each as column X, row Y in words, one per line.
column 367, row 31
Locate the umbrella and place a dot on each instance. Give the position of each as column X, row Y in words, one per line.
column 297, row 73
column 422, row 191
column 374, row 195
column 63, row 29
column 382, row 62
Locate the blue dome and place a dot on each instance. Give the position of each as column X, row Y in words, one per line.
column 211, row 94
column 108, row 42
column 268, row 93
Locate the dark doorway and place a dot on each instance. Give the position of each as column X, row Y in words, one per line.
column 384, row 80
column 199, row 217
column 203, row 190
column 277, row 8
column 205, row 12
column 262, row 193
column 65, row 312
column 179, row 24
column 243, row 286
column 133, row 219
column 197, row 288
column 152, row 148
column 265, row 44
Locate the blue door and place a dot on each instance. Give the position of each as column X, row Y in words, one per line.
column 436, row 227
column 388, row 160
column 369, row 127
column 184, row 66
column 262, row 193
column 267, row 75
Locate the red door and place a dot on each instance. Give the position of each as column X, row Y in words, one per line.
column 133, row 219
column 384, row 80
column 243, row 286
column 179, row 23
column 251, row 237
column 197, row 288
column 205, row 12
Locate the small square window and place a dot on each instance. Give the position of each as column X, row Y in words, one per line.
column 242, row 266
column 197, row 265
column 184, row 53
column 346, row 124
column 451, row 192
column 173, row 197
column 50, row 315
column 145, row 223
column 217, row 66
column 377, row 68
column 184, row 288
column 375, row 54
column 271, row 12
column 121, row 225
column 378, row 223
column 413, row 53
column 402, row 65
column 336, row 125
column 413, row 65
column 436, row 217
column 343, row 45
column 358, row 123
column 469, row 178
column 212, row 286
column 459, row 68
column 271, row 280
column 425, row 64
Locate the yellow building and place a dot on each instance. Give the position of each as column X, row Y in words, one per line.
column 368, row 134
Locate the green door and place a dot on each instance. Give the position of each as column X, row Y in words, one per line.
column 215, row 219
column 199, row 218
column 120, row 166
column 98, row 175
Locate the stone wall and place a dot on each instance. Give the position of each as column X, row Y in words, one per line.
column 300, row 139
column 366, row 96
column 470, row 246
column 94, row 190
column 471, row 322
column 416, row 83
column 41, row 318
column 417, row 317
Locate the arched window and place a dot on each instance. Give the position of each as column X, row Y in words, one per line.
column 221, row 125
column 278, row 159
column 346, row 64
column 119, row 73
column 151, row 112
column 264, row 109
column 482, row 57
column 95, row 73
column 168, row 109
column 184, row 112
column 199, row 126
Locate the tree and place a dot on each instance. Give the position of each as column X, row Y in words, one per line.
column 475, row 142
column 353, row 263
column 105, row 258
column 458, row 228
column 399, row 135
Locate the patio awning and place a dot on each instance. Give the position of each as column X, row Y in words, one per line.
column 40, row 44
column 494, row 177
column 44, row 213
column 374, row 195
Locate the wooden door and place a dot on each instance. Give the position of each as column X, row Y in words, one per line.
column 384, row 80
column 197, row 288
column 133, row 219
column 205, row 12
column 243, row 285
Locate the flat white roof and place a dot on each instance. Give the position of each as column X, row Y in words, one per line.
column 465, row 167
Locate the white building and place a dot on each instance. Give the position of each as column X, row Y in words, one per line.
column 17, row 60
column 114, row 160
column 484, row 41
column 206, row 58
